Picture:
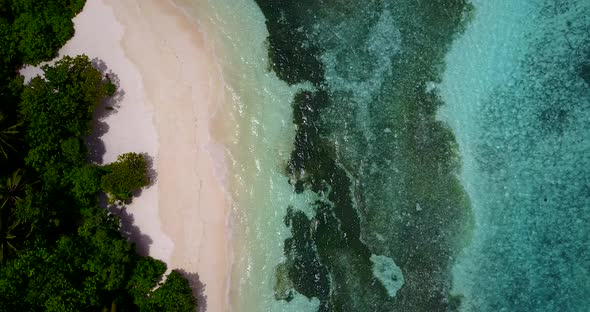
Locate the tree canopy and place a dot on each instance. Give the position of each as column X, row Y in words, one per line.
column 174, row 294
column 57, row 109
column 127, row 174
column 40, row 27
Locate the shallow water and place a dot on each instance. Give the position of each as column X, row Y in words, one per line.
column 257, row 130
column 402, row 155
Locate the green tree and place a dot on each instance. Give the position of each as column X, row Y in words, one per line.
column 85, row 182
column 82, row 271
column 44, row 279
column 8, row 49
column 145, row 277
column 39, row 35
column 174, row 295
column 41, row 27
column 57, row 110
column 126, row 175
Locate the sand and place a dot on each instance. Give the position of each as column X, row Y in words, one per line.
column 170, row 87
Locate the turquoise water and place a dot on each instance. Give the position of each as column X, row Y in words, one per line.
column 406, row 155
column 518, row 99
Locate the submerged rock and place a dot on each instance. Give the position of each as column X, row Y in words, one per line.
column 283, row 285
column 388, row 273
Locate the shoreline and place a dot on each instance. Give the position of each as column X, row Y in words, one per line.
column 185, row 89
column 170, row 87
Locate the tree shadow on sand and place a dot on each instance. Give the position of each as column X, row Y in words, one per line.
column 109, row 106
column 128, row 228
column 96, row 152
column 198, row 289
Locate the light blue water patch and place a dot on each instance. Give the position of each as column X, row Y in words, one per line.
column 388, row 273
column 379, row 44
column 518, row 99
column 358, row 60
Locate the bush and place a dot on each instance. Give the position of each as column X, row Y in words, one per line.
column 126, row 175
column 174, row 295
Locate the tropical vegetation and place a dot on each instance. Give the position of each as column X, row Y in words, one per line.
column 127, row 174
column 59, row 250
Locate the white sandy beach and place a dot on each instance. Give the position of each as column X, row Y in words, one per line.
column 170, row 88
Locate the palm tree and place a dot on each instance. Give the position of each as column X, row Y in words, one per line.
column 11, row 193
column 6, row 241
column 13, row 189
column 8, row 135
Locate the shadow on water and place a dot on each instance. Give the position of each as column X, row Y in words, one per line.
column 198, row 289
column 109, row 106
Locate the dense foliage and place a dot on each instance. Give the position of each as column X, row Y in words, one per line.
column 60, row 251
column 35, row 29
column 58, row 110
column 127, row 174
column 172, row 295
